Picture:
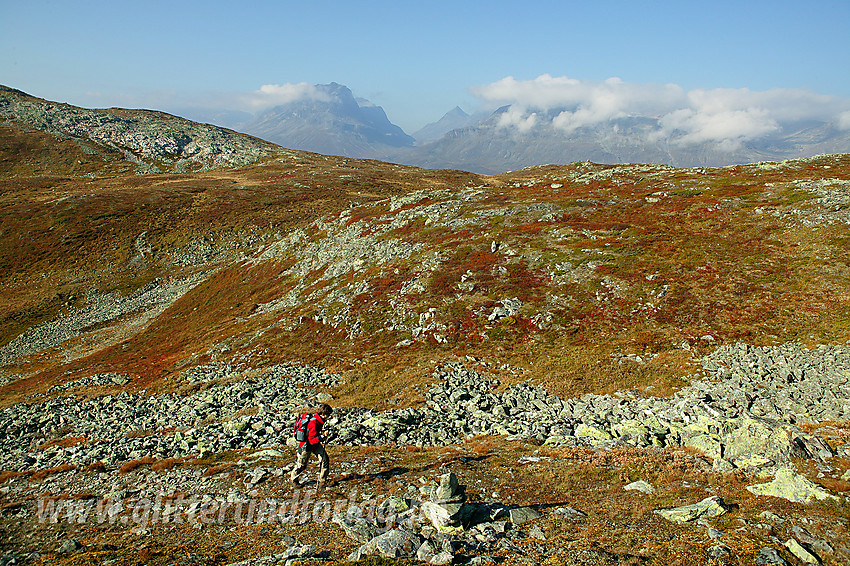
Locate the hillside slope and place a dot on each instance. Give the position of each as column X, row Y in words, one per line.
column 595, row 260
column 81, row 235
column 153, row 141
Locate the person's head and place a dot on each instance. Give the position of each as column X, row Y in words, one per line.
column 325, row 410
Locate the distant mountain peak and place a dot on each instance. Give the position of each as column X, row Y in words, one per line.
column 343, row 125
column 451, row 120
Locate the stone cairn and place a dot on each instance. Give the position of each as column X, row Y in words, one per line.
column 435, row 525
column 446, row 504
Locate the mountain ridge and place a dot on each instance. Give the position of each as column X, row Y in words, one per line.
column 329, row 119
column 403, row 204
column 154, row 141
column 332, row 122
column 489, row 147
column 451, row 120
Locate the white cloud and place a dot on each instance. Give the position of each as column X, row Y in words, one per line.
column 542, row 92
column 274, row 95
column 266, row 96
column 581, row 103
column 725, row 116
column 517, row 118
column 719, row 125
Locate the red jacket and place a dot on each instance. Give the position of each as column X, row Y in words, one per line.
column 314, row 431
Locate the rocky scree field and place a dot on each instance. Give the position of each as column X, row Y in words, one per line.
column 579, row 364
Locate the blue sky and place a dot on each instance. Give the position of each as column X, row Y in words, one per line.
column 416, row 59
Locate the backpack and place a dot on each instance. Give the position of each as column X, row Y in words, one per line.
column 301, row 426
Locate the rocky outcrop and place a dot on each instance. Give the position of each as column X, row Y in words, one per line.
column 126, row 426
column 153, row 140
column 432, row 521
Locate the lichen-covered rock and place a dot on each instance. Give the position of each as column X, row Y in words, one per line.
column 631, row 431
column 717, row 551
column 789, row 485
column 235, row 425
column 397, row 543
column 769, row 557
column 355, row 526
column 722, row 465
column 448, row 491
column 708, row 445
column 592, row 434
column 705, row 433
column 426, row 551
column 299, row 551
column 445, row 517
column 760, row 441
column 707, row 508
column 801, row 553
column 70, row 546
column 442, row 558
column 816, row 545
column 640, row 485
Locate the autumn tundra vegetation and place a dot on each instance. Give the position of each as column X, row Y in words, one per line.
column 567, row 364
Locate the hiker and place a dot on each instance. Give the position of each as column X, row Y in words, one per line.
column 308, row 433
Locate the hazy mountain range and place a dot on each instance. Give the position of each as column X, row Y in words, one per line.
column 490, row 147
column 454, row 119
column 330, row 120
